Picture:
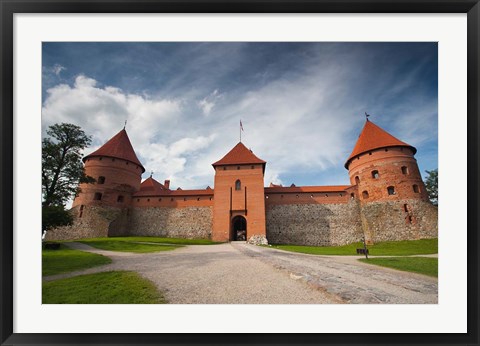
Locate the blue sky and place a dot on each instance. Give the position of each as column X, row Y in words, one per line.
column 302, row 105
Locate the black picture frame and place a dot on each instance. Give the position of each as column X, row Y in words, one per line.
column 9, row 7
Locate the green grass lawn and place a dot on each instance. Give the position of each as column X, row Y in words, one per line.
column 421, row 265
column 142, row 244
column 66, row 260
column 118, row 287
column 390, row 248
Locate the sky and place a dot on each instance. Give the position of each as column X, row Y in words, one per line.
column 302, row 104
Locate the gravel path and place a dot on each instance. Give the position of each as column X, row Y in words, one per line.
column 239, row 273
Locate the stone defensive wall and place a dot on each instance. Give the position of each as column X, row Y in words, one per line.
column 91, row 222
column 312, row 215
column 175, row 222
column 399, row 220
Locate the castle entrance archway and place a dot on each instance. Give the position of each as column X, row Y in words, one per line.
column 239, row 228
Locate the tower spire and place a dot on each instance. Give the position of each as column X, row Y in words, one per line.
column 241, row 129
column 124, row 126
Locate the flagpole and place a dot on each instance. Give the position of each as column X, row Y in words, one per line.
column 240, row 130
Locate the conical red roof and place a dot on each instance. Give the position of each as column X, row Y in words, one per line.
column 239, row 155
column 119, row 147
column 373, row 137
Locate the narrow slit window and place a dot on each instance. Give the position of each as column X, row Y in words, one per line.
column 357, row 180
column 416, row 189
column 238, row 185
column 97, row 196
column 404, row 170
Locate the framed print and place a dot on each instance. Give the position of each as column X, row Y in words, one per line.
column 269, row 170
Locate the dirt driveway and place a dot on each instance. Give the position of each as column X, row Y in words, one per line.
column 239, row 273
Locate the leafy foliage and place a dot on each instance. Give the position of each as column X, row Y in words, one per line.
column 431, row 184
column 62, row 168
column 54, row 216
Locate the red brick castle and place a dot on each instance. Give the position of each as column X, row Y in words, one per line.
column 386, row 200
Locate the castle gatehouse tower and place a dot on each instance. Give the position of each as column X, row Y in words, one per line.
column 239, row 197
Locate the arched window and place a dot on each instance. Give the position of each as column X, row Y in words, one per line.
column 120, row 199
column 391, row 190
column 375, row 174
column 352, row 195
column 404, row 170
column 415, row 189
column 365, row 194
column 238, row 185
column 101, row 180
column 357, row 180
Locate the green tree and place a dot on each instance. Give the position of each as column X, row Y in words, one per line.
column 431, row 184
column 54, row 216
column 62, row 168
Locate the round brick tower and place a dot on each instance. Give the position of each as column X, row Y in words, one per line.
column 117, row 172
column 384, row 168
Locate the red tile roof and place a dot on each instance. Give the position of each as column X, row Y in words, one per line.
column 299, row 189
column 152, row 188
column 239, row 155
column 119, row 147
column 151, row 185
column 373, row 137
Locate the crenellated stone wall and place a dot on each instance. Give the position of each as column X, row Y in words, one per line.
column 189, row 222
column 399, row 220
column 314, row 224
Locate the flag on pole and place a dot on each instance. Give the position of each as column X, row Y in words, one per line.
column 241, row 126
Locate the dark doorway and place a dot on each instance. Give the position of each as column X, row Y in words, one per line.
column 239, row 225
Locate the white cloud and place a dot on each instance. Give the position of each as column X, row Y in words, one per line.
column 207, row 103
column 57, row 69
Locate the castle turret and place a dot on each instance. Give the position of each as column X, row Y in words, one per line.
column 394, row 203
column 384, row 168
column 117, row 172
column 239, row 198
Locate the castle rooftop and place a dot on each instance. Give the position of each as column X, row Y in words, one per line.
column 239, row 155
column 119, row 147
column 373, row 137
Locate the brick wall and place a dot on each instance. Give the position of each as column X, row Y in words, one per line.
column 188, row 222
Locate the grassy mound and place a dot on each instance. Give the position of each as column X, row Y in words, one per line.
column 66, row 260
column 118, row 287
column 389, row 248
column 421, row 265
column 142, row 244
